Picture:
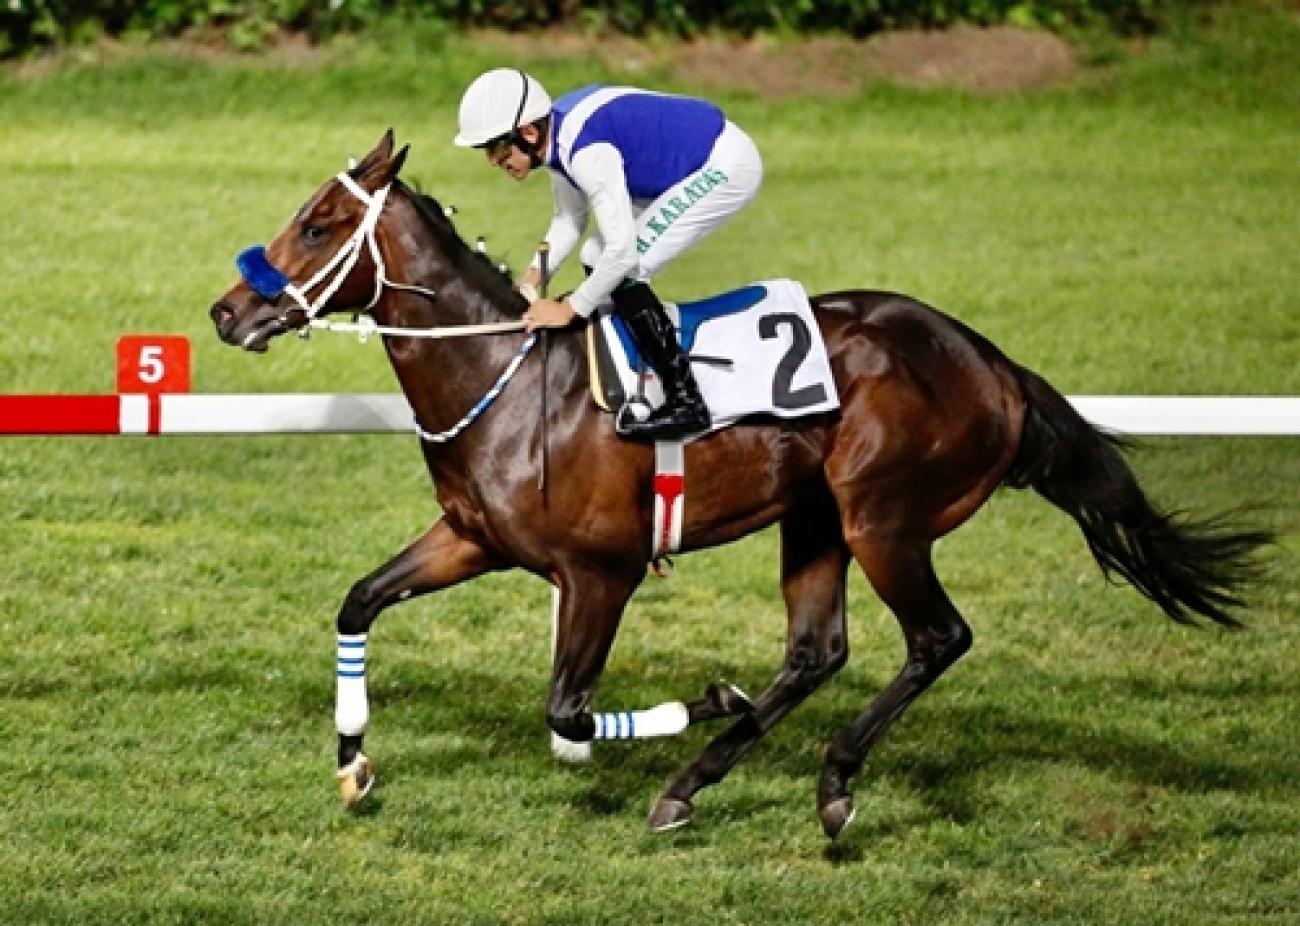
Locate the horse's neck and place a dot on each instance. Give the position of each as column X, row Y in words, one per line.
column 467, row 291
column 443, row 378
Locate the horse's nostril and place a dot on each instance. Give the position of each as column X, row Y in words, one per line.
column 223, row 317
column 222, row 314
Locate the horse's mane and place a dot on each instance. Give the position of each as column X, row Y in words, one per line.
column 476, row 266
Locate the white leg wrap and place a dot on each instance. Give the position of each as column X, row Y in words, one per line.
column 665, row 720
column 352, row 711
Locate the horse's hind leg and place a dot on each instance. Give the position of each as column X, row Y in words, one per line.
column 814, row 560
column 720, row 699
column 903, row 576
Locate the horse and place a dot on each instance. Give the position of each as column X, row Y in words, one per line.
column 933, row 418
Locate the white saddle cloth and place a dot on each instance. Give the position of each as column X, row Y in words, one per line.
column 776, row 360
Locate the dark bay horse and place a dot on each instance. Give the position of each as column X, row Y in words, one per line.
column 933, row 419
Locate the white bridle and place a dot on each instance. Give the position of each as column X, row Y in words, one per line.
column 348, row 255
column 342, row 264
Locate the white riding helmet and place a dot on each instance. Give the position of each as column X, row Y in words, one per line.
column 498, row 103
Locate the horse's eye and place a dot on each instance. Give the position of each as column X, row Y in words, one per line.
column 313, row 233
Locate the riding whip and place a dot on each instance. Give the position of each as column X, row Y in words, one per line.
column 544, row 274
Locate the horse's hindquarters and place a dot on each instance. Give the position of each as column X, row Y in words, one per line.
column 930, row 414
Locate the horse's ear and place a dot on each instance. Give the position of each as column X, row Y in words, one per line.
column 379, row 167
column 395, row 165
column 381, row 152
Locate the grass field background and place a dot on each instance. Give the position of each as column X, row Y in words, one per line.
column 167, row 606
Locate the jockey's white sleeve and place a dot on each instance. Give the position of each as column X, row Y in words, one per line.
column 598, row 172
column 568, row 222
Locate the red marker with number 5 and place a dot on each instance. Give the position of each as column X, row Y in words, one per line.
column 153, row 363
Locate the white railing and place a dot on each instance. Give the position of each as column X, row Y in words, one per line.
column 310, row 413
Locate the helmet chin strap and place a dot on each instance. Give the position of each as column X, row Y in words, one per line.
column 533, row 151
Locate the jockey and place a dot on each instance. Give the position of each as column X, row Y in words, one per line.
column 660, row 173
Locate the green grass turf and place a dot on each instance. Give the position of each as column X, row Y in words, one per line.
column 166, row 606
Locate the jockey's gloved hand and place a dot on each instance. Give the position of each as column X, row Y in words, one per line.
column 528, row 291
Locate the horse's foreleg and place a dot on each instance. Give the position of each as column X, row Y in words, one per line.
column 438, row 559
column 590, row 607
column 903, row 576
column 813, row 565
column 562, row 749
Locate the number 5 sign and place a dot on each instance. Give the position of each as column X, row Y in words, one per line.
column 153, row 363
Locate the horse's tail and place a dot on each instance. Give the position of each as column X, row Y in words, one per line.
column 1185, row 567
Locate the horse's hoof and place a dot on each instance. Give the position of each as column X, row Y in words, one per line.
column 355, row 780
column 669, row 814
column 836, row 815
column 569, row 751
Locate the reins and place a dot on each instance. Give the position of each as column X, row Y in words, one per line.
column 441, row 437
column 364, row 326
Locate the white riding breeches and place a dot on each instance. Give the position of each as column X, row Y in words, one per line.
column 694, row 208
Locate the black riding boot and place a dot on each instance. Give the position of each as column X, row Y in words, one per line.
column 683, row 412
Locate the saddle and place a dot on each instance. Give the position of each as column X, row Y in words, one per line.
column 754, row 350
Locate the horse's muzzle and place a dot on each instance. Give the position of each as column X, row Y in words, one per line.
column 253, row 332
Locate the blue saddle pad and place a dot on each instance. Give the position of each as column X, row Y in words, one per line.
column 694, row 314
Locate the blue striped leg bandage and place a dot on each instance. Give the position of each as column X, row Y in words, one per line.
column 352, row 711
column 665, row 720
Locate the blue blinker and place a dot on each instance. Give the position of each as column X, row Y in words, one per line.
column 259, row 273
